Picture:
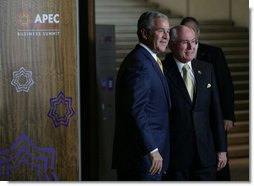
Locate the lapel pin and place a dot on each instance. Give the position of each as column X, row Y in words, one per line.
column 199, row 72
column 208, row 85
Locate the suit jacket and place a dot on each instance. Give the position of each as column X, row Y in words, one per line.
column 215, row 56
column 197, row 128
column 142, row 112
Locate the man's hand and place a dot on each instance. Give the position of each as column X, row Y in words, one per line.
column 228, row 124
column 156, row 164
column 222, row 160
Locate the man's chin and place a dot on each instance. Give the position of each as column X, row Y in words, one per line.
column 162, row 49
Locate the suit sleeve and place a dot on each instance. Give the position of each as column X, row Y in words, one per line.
column 217, row 118
column 139, row 82
column 225, row 85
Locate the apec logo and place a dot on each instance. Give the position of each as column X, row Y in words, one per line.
column 38, row 25
column 47, row 18
column 26, row 20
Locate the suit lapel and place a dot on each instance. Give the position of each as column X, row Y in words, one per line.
column 177, row 80
column 160, row 74
column 198, row 73
column 163, row 80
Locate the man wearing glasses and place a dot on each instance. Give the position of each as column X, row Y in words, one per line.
column 198, row 141
column 215, row 56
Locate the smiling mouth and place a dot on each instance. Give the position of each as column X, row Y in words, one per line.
column 164, row 43
column 189, row 52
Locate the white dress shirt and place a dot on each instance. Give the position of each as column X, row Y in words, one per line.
column 180, row 68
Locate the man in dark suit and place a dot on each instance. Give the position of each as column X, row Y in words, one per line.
column 198, row 142
column 141, row 142
column 215, row 56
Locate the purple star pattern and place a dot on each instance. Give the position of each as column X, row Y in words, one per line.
column 55, row 104
column 23, row 151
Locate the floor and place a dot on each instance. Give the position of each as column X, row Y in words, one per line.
column 239, row 169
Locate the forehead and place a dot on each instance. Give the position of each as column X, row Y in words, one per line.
column 185, row 34
column 161, row 22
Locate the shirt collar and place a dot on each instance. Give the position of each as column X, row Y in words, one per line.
column 149, row 50
column 180, row 65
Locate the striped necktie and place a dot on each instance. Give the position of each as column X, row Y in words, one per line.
column 160, row 64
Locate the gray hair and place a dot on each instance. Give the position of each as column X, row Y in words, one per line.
column 173, row 35
column 146, row 20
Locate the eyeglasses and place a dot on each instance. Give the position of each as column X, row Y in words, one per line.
column 186, row 42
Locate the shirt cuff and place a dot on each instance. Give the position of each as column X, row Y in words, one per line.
column 154, row 150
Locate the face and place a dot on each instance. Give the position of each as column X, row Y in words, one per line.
column 193, row 26
column 157, row 39
column 184, row 48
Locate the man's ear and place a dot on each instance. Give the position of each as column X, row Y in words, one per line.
column 144, row 33
column 198, row 34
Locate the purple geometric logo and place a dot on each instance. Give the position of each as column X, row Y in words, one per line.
column 40, row 160
column 61, row 110
column 22, row 80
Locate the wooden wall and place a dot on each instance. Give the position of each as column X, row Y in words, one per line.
column 39, row 101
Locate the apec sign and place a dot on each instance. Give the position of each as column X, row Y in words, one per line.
column 47, row 18
column 38, row 24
